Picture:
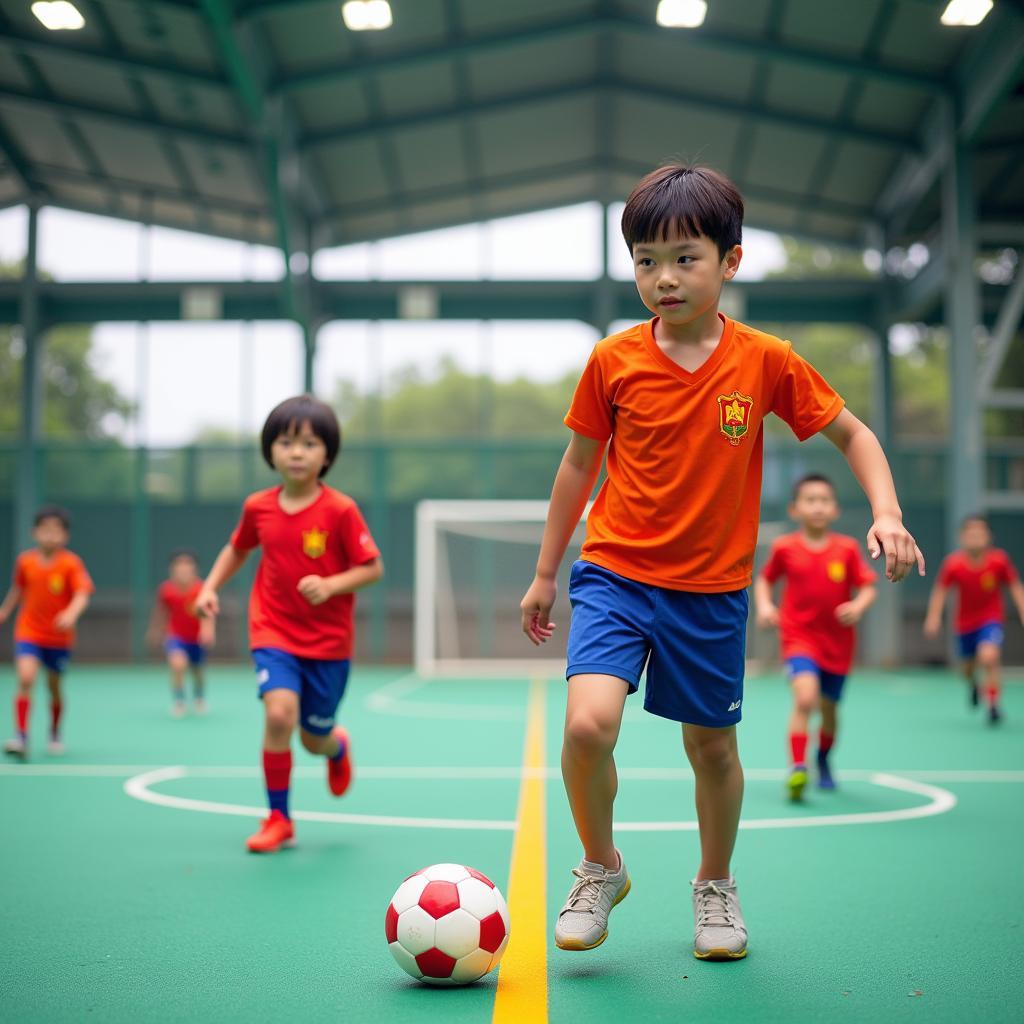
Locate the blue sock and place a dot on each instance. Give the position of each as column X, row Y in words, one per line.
column 342, row 747
column 278, row 799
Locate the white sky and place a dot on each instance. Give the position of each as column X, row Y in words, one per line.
column 227, row 375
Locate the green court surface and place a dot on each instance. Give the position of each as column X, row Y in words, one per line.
column 909, row 905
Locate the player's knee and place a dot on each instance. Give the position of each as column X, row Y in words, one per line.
column 713, row 752
column 988, row 656
column 177, row 661
column 312, row 743
column 806, row 703
column 586, row 734
column 281, row 718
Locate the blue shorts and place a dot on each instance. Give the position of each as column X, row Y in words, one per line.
column 990, row 633
column 830, row 683
column 195, row 653
column 320, row 684
column 693, row 644
column 54, row 658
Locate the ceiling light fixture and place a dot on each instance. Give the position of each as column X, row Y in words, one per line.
column 681, row 13
column 58, row 14
column 366, row 15
column 965, row 12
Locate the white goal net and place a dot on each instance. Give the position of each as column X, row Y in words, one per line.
column 474, row 561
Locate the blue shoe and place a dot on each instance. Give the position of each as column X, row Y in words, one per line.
column 825, row 780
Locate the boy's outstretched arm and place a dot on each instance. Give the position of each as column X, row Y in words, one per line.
column 574, row 481
column 1017, row 593
column 10, row 602
column 66, row 619
column 933, row 617
column 229, row 561
column 764, row 602
column 859, row 445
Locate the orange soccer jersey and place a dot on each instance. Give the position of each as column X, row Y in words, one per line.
column 47, row 586
column 681, row 502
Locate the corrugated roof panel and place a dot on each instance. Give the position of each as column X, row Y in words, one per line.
column 206, row 106
column 840, row 27
column 532, row 66
column 40, row 137
column 917, row 39
column 161, row 32
column 353, row 170
column 804, row 90
column 148, row 163
column 417, row 89
column 858, row 172
column 104, row 87
column 340, row 104
column 890, row 106
column 784, row 158
column 429, row 156
column 484, row 18
column 11, row 71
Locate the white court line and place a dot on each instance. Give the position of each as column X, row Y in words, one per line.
column 138, row 787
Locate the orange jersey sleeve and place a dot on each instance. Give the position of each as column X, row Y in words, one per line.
column 47, row 587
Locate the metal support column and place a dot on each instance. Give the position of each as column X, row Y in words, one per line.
column 31, row 391
column 962, row 314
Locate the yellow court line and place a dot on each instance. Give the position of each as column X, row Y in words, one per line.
column 522, row 995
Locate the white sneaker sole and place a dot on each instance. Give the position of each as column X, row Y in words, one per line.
column 577, row 946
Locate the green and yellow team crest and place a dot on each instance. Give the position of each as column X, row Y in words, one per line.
column 734, row 415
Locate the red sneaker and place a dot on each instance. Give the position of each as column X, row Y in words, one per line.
column 275, row 832
column 339, row 770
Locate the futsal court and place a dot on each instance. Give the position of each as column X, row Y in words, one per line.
column 127, row 886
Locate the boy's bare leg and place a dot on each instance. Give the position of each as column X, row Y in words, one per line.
column 177, row 662
column 989, row 662
column 281, row 711
column 25, row 668
column 718, row 774
column 969, row 667
column 805, row 702
column 829, row 717
column 56, row 709
column 593, row 716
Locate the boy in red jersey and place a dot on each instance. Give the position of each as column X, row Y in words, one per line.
column 53, row 587
column 979, row 572
column 185, row 635
column 678, row 401
column 317, row 552
column 828, row 588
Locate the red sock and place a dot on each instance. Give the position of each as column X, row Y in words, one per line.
column 277, row 770
column 992, row 692
column 21, row 709
column 798, row 747
column 825, row 741
column 56, row 707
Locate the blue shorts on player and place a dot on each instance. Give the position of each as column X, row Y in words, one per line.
column 692, row 644
column 830, row 683
column 319, row 683
column 990, row 633
column 55, row 659
column 195, row 653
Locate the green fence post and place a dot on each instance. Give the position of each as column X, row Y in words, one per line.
column 139, row 591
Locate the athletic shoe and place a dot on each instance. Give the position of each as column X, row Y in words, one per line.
column 16, row 746
column 178, row 709
column 995, row 716
column 825, row 780
column 974, row 696
column 199, row 706
column 796, row 782
column 583, row 921
column 275, row 832
column 339, row 769
column 719, row 931
column 55, row 746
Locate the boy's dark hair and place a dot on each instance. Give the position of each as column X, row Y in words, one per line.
column 813, row 478
column 53, row 512
column 695, row 200
column 291, row 414
column 182, row 553
column 974, row 517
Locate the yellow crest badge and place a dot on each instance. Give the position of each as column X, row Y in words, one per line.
column 734, row 415
column 314, row 542
column 836, row 572
column 56, row 584
column 988, row 581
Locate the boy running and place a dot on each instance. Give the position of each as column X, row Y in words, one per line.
column 53, row 587
column 828, row 588
column 317, row 551
column 978, row 571
column 678, row 401
column 185, row 635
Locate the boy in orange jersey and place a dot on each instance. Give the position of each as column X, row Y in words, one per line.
column 53, row 587
column 678, row 401
column 317, row 552
column 979, row 572
column 828, row 588
column 185, row 635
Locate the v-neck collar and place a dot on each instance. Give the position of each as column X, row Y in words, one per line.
column 672, row 366
column 316, row 501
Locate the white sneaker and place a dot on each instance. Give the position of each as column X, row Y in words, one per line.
column 55, row 746
column 583, row 921
column 16, row 746
column 178, row 709
column 199, row 706
column 719, row 931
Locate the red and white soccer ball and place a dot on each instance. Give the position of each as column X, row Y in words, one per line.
column 447, row 925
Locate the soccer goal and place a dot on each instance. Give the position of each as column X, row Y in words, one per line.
column 474, row 561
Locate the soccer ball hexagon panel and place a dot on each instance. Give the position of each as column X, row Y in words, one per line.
column 447, row 925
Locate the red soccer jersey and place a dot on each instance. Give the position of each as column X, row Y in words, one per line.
column 818, row 580
column 182, row 621
column 47, row 586
column 328, row 537
column 978, row 586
